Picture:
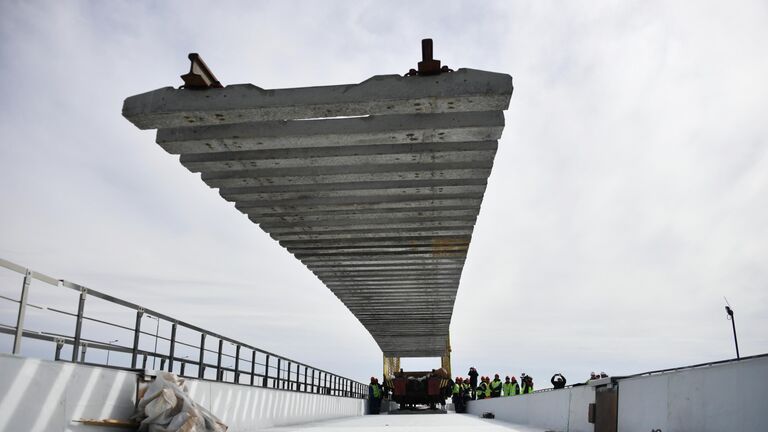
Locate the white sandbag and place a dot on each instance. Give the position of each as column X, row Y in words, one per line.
column 167, row 407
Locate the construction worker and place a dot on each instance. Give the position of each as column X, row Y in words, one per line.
column 487, row 387
column 527, row 385
column 481, row 388
column 473, row 380
column 467, row 387
column 456, row 395
column 466, row 391
column 506, row 387
column 511, row 389
column 374, row 396
column 495, row 386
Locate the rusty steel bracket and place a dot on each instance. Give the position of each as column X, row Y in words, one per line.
column 199, row 76
column 428, row 65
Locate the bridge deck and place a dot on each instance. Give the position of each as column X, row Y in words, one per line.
column 418, row 422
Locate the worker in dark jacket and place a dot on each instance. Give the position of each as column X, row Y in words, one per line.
column 495, row 387
column 473, row 380
column 558, row 381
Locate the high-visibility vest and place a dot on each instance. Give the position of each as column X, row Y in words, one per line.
column 496, row 385
column 506, row 388
column 481, row 389
column 527, row 388
column 487, row 391
column 376, row 391
column 465, row 387
column 456, row 389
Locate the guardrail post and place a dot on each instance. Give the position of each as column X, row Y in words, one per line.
column 266, row 372
column 306, row 372
column 218, row 361
column 237, row 364
column 59, row 346
column 136, row 335
column 172, row 350
column 201, row 364
column 22, row 312
column 181, row 372
column 312, row 387
column 82, row 352
column 290, row 383
column 253, row 366
column 276, row 382
column 78, row 324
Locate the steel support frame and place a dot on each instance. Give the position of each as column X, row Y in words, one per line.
column 22, row 312
column 79, row 324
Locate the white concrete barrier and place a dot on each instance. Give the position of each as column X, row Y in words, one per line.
column 245, row 408
column 45, row 396
column 558, row 410
column 729, row 397
column 41, row 396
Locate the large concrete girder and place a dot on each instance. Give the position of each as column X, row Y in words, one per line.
column 399, row 155
column 465, row 90
column 380, row 205
column 333, row 133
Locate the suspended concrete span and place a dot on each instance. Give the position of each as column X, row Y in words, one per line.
column 375, row 186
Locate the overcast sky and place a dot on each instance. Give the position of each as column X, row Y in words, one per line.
column 628, row 196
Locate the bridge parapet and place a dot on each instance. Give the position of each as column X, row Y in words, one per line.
column 163, row 343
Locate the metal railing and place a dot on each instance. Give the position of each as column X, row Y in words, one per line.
column 248, row 365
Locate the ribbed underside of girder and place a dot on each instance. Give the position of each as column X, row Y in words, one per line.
column 375, row 187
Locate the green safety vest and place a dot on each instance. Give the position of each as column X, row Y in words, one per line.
column 376, row 391
column 527, row 389
column 481, row 389
column 495, row 385
column 456, row 389
column 465, row 386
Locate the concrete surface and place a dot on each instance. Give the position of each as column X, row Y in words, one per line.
column 557, row 410
column 380, row 204
column 407, row 423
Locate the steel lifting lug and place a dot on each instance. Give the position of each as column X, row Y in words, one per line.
column 199, row 76
column 428, row 65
